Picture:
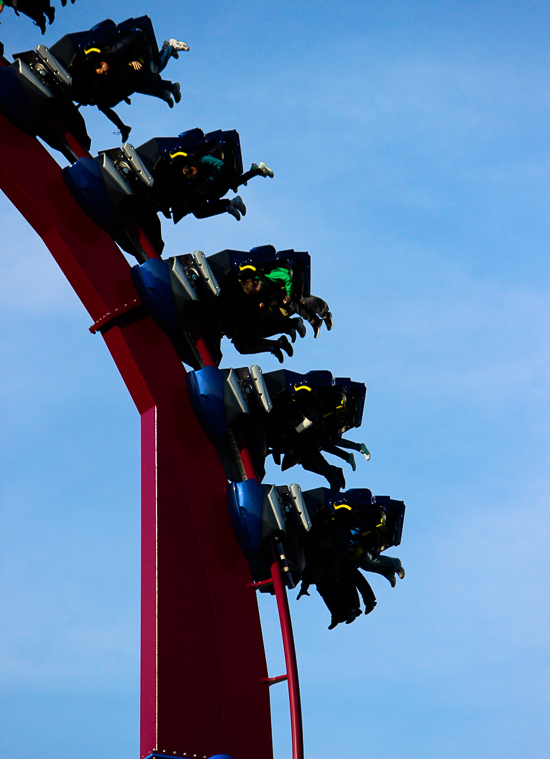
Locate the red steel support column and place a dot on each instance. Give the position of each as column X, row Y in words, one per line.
column 203, row 660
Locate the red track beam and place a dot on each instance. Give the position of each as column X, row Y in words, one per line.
column 202, row 650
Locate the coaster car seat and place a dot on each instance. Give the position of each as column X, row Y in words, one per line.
column 34, row 95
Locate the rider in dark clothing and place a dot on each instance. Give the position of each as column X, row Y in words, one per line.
column 37, row 10
column 335, row 575
column 130, row 65
column 122, row 62
column 196, row 184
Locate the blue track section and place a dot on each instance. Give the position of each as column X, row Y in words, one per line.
column 245, row 501
column 205, row 388
column 152, row 283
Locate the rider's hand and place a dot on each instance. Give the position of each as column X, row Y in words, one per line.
column 136, row 65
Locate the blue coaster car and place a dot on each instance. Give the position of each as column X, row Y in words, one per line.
column 199, row 289
column 128, row 186
column 229, row 267
column 223, row 398
column 173, row 194
column 35, row 96
column 267, row 413
column 98, row 61
column 103, row 189
column 284, row 413
column 263, row 515
column 172, row 292
column 232, row 264
column 73, row 50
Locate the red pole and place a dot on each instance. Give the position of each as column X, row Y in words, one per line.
column 290, row 657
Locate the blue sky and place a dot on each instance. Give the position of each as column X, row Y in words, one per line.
column 411, row 156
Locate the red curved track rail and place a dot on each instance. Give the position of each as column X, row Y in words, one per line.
column 204, row 678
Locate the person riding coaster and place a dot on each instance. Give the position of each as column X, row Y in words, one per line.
column 174, row 176
column 208, row 290
column 310, row 415
column 192, row 172
column 110, row 62
column 251, row 313
column 321, row 537
column 349, row 531
column 273, row 292
column 294, row 417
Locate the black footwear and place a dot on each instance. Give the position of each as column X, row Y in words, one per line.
column 317, row 324
column 335, row 477
column 125, row 132
column 64, row 2
column 292, row 334
column 167, row 97
column 352, row 616
column 50, row 13
column 328, row 321
column 176, row 91
column 237, row 202
column 42, row 24
column 233, row 211
column 286, row 346
column 277, row 352
column 300, row 326
column 370, row 608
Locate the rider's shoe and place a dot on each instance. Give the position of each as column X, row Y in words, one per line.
column 237, row 202
column 233, row 211
column 266, row 171
column 300, row 327
column 352, row 616
column 286, row 346
column 277, row 352
column 176, row 91
column 176, row 45
column 125, row 132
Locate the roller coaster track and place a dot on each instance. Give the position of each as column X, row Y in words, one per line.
column 204, row 681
